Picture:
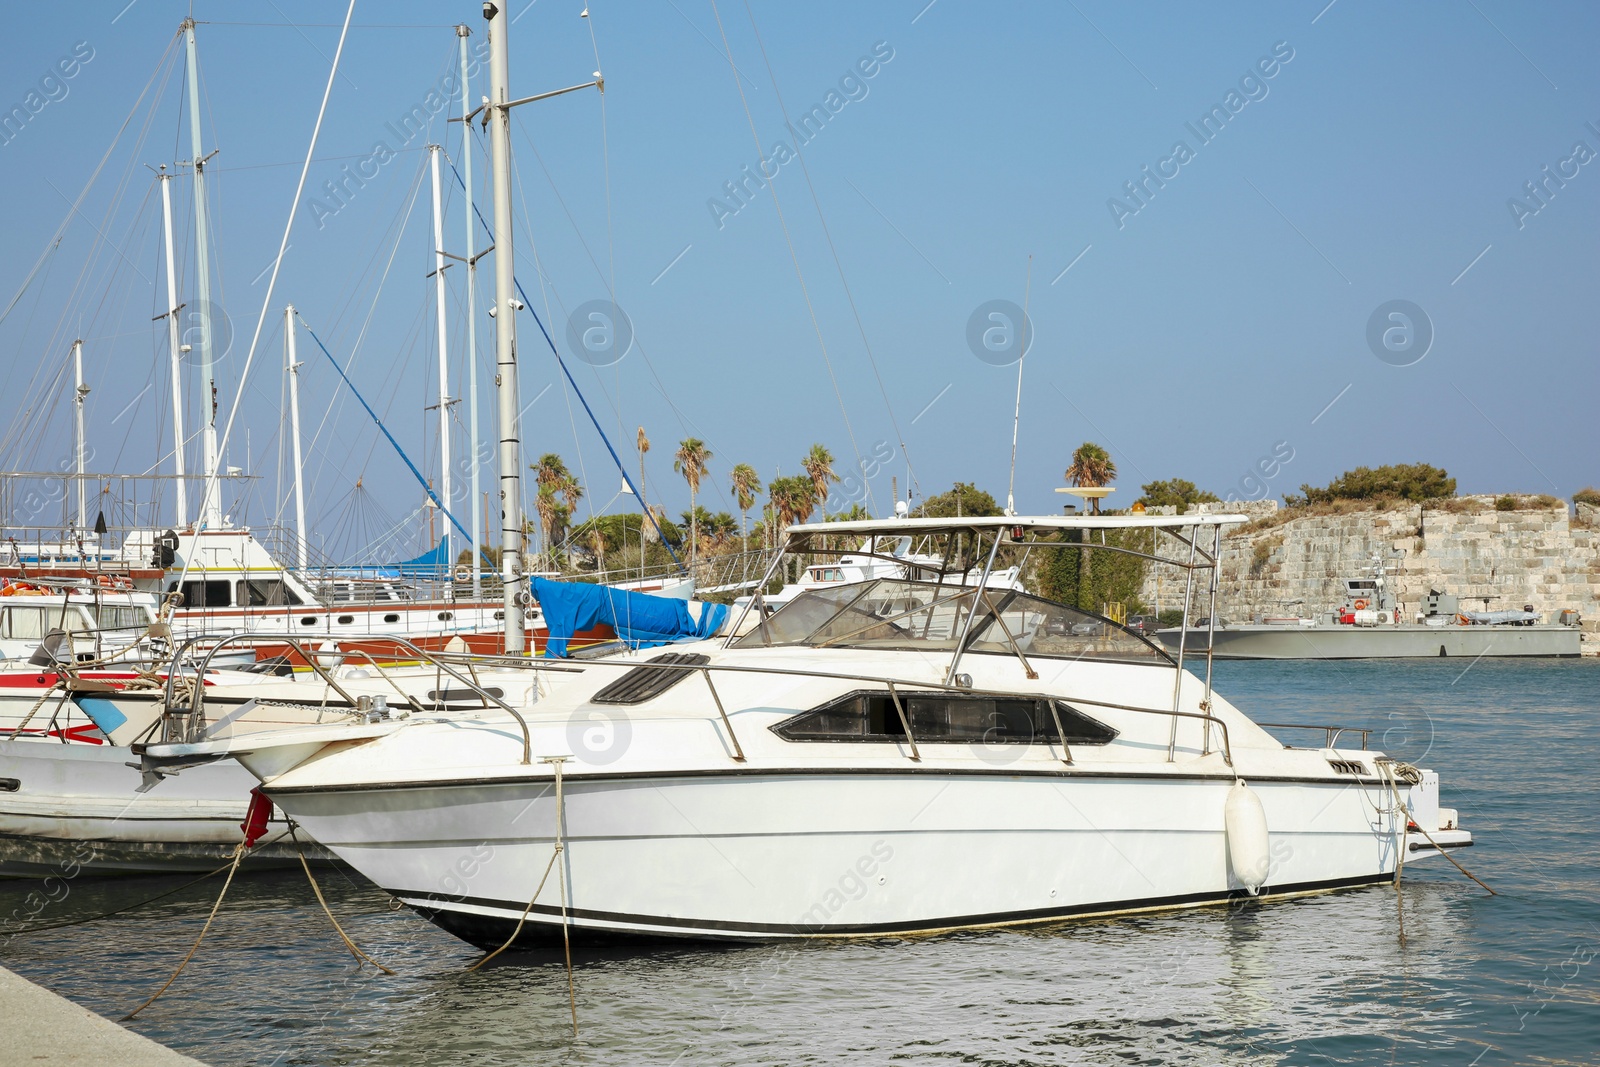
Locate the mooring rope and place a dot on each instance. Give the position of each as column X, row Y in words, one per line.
column 238, row 854
column 1411, row 775
column 518, row 929
column 566, row 940
column 317, row 889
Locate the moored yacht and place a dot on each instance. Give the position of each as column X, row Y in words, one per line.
column 889, row 756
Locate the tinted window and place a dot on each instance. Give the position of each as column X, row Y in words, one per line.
column 206, row 595
column 265, row 592
column 871, row 716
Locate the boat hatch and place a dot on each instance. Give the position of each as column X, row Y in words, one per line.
column 650, row 679
column 870, row 715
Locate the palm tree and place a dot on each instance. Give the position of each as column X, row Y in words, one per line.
column 794, row 498
column 571, row 489
column 818, row 465
column 690, row 461
column 746, row 483
column 1091, row 467
column 805, row 498
column 550, row 473
column 545, row 503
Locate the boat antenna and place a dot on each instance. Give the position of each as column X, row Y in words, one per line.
column 1016, row 414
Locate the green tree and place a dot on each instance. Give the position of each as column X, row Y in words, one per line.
column 690, row 461
column 1174, row 492
column 1089, row 579
column 1415, row 482
column 961, row 500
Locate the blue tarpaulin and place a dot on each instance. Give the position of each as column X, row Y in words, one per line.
column 641, row 620
column 434, row 563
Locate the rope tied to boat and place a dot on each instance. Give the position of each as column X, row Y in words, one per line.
column 254, row 828
column 1409, row 774
column 560, row 847
column 1390, row 772
column 317, row 889
column 233, row 869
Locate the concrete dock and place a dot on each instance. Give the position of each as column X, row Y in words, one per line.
column 42, row 1028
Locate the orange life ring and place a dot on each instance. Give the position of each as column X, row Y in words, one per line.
column 1361, row 605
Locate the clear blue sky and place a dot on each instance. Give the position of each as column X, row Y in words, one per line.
column 1191, row 337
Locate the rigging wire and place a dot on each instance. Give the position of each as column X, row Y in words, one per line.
column 605, row 165
column 794, row 257
column 277, row 265
column 685, row 423
column 372, row 310
column 581, row 399
column 17, row 429
column 833, row 249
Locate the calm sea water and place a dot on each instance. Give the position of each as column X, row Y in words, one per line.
column 1512, row 979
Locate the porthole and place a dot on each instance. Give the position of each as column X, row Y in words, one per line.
column 308, row 620
column 346, row 620
column 446, row 616
column 391, row 617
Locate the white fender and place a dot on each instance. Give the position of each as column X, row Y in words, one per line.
column 1249, row 847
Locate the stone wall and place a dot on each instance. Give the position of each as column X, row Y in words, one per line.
column 1538, row 556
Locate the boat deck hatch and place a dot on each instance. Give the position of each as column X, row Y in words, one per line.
column 650, row 679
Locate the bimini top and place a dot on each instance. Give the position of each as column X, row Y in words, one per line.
column 901, row 527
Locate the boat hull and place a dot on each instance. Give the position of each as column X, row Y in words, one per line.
column 1380, row 642
column 68, row 809
column 792, row 855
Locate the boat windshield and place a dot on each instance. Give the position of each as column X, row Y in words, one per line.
column 891, row 614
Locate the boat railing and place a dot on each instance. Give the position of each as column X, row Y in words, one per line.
column 1330, row 733
column 185, row 717
column 185, row 722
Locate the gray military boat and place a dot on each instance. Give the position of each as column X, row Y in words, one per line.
column 1371, row 625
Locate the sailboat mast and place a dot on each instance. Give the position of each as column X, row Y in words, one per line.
column 173, row 353
column 505, row 329
column 79, row 452
column 210, row 504
column 434, row 152
column 301, row 556
column 462, row 33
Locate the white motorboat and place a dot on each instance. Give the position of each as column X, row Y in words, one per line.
column 885, row 757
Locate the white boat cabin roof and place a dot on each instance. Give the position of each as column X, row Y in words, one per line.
column 902, row 527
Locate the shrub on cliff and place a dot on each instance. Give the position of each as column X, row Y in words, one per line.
column 1174, row 492
column 1415, row 482
column 1587, row 495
